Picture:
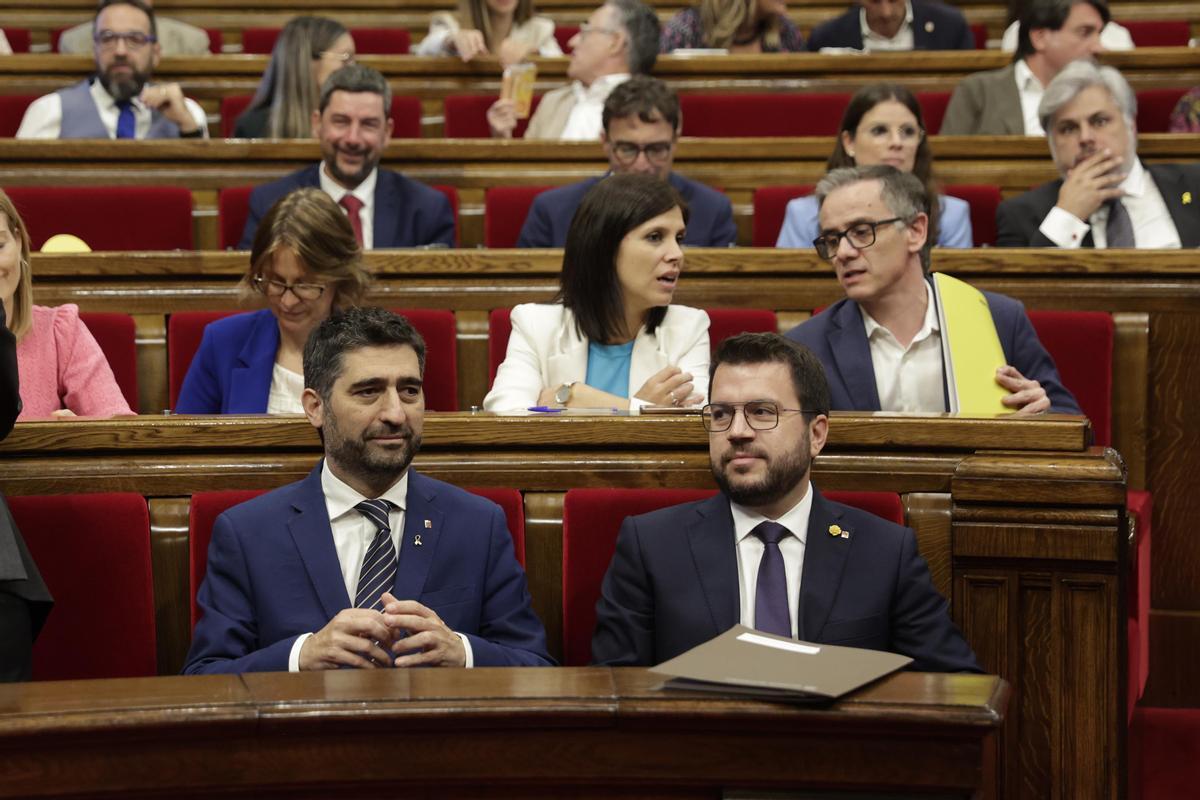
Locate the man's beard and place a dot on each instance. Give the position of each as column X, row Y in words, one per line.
column 376, row 467
column 783, row 475
column 349, row 179
column 123, row 89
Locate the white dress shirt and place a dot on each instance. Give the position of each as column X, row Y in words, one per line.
column 875, row 43
column 585, row 120
column 750, row 552
column 43, row 118
column 1030, row 91
column 908, row 378
column 286, row 389
column 1152, row 223
column 1113, row 36
column 365, row 192
column 353, row 534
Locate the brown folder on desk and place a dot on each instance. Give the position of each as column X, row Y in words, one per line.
column 748, row 662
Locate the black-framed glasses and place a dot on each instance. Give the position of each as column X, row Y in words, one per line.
column 272, row 288
column 761, row 415
column 134, row 40
column 861, row 235
column 656, row 152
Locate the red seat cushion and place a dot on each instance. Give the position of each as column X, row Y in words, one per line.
column 108, row 217
column 233, row 209
column 770, row 207
column 232, row 108
column 513, row 505
column 451, row 195
column 1140, row 508
column 1081, row 344
column 93, row 551
column 216, row 40
column 504, row 212
column 1159, row 33
column 773, row 114
column 980, row 34
column 12, row 111
column 406, row 115
column 984, row 199
column 563, row 35
column 376, row 41
column 1164, row 751
column 18, row 39
column 1154, row 107
column 117, row 336
column 466, row 116
column 933, row 109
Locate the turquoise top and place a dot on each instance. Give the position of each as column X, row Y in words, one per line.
column 608, row 367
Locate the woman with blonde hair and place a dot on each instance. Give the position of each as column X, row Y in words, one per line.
column 738, row 26
column 507, row 29
column 308, row 50
column 62, row 370
column 305, row 262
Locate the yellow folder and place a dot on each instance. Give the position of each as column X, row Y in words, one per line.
column 971, row 348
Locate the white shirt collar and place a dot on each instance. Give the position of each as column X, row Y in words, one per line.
column 867, row 33
column 600, row 88
column 795, row 519
column 340, row 498
column 927, row 327
column 1026, row 80
column 365, row 191
column 1134, row 184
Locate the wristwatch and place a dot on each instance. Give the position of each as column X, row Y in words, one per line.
column 562, row 395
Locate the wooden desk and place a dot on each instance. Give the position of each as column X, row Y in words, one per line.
column 590, row 732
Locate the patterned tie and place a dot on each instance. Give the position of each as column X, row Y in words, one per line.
column 353, row 208
column 1119, row 231
column 771, row 598
column 379, row 564
column 126, row 124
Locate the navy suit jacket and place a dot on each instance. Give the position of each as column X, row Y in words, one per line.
column 231, row 371
column 710, row 216
column 273, row 574
column 1019, row 218
column 673, row 584
column 935, row 27
column 838, row 338
column 407, row 213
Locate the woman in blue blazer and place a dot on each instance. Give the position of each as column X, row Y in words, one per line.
column 883, row 125
column 306, row 262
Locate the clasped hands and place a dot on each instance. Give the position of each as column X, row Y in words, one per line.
column 404, row 634
column 168, row 100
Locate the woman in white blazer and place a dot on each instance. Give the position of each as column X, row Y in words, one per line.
column 611, row 338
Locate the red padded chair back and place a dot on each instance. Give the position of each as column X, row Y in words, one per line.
column 504, row 212
column 1081, row 343
column 769, row 114
column 12, row 111
column 451, row 195
column 18, row 39
column 499, row 329
column 232, row 108
column 984, row 199
column 406, row 115
column 117, row 336
column 186, row 328
column 563, row 35
column 233, row 208
column 376, row 41
column 216, row 40
column 108, row 217
column 93, row 551
column 1154, row 107
column 1159, row 32
column 513, row 505
column 979, row 32
column 933, row 109
column 770, row 206
column 591, row 520
column 726, row 322
column 466, row 116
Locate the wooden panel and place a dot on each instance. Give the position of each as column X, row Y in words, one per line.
column 1131, row 362
column 981, row 606
column 929, row 515
column 543, row 562
column 1038, row 665
column 169, row 555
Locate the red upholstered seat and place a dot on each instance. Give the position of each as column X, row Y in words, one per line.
column 451, row 195
column 513, row 505
column 232, row 108
column 1164, row 753
column 563, row 35
column 979, row 32
column 933, row 109
column 466, row 116
column 504, row 212
column 108, row 217
column 406, row 115
column 1140, row 508
column 117, row 336
column 1154, row 107
column 770, row 207
column 93, row 551
column 233, row 208
column 591, row 520
column 18, row 39
column 186, row 328
column 376, row 41
column 984, row 199
column 1081, row 343
column 1159, row 32
column 768, row 114
column 12, row 111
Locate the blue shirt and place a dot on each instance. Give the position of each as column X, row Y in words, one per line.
column 608, row 367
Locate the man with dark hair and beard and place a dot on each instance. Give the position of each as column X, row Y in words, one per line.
column 365, row 563
column 386, row 209
column 118, row 102
column 769, row 551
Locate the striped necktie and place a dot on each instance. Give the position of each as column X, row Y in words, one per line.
column 379, row 564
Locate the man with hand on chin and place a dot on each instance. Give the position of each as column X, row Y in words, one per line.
column 117, row 103
column 365, row 563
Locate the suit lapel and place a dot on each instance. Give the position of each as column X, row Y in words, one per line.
column 309, row 527
column 418, row 542
column 250, row 381
column 568, row 361
column 387, row 212
column 1171, row 187
column 711, row 539
column 852, row 354
column 824, row 561
column 1009, row 110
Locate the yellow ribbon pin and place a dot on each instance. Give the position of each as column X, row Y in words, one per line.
column 1187, row 198
column 835, row 530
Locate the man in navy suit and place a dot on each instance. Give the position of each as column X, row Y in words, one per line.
column 882, row 25
column 385, row 208
column 365, row 563
column 769, row 551
column 641, row 125
column 881, row 345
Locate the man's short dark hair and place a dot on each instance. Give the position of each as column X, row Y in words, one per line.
column 352, row 329
column 649, row 98
column 357, row 78
column 1050, row 14
column 808, row 375
column 643, row 29
column 138, row 4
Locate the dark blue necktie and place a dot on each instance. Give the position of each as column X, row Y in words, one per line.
column 771, row 595
column 378, row 573
column 126, row 124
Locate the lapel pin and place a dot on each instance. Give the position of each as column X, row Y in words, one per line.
column 1186, row 198
column 929, row 27
column 417, row 540
column 428, row 524
column 835, row 530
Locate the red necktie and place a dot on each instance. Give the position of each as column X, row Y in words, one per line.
column 353, row 208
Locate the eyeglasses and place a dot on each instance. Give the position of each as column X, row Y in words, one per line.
column 761, row 415
column 656, row 152
column 304, row 291
column 861, row 235
column 134, row 40
column 333, row 55
column 585, row 29
column 907, row 133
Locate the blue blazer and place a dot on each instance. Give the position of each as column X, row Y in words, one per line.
column 710, row 216
column 407, row 213
column 935, row 27
column 231, row 371
column 838, row 338
column 273, row 574
column 673, row 584
column 800, row 225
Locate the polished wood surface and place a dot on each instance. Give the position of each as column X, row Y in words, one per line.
column 589, row 732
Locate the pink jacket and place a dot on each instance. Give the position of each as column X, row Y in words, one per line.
column 61, row 366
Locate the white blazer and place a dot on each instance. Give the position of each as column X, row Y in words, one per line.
column 545, row 349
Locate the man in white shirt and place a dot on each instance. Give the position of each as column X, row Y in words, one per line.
column 175, row 38
column 118, row 102
column 889, row 25
column 881, row 345
column 1106, row 197
column 1003, row 102
column 619, row 39
column 365, row 563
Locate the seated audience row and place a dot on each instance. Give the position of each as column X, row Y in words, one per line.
column 507, row 29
